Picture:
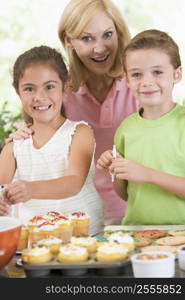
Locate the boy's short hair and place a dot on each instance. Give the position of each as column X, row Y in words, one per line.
column 154, row 39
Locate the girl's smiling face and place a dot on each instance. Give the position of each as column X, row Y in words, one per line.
column 151, row 76
column 97, row 46
column 41, row 91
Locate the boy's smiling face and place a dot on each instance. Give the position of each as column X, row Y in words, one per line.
column 151, row 77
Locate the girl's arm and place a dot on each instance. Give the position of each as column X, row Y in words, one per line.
column 132, row 171
column 81, row 152
column 7, row 164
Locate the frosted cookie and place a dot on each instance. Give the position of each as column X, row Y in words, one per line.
column 151, row 234
column 37, row 255
column 171, row 241
column 72, row 254
column 177, row 232
column 141, row 242
column 171, row 249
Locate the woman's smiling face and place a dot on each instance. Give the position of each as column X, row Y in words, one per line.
column 97, row 45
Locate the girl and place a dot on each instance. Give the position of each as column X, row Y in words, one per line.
column 56, row 161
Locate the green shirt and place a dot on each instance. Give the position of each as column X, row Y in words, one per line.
column 158, row 144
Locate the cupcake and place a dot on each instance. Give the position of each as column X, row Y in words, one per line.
column 80, row 221
column 123, row 239
column 35, row 221
column 52, row 215
column 23, row 240
column 37, row 255
column 43, row 231
column 52, row 242
column 65, row 228
column 72, row 254
column 88, row 242
column 111, row 252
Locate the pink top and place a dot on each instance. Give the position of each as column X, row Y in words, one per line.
column 104, row 118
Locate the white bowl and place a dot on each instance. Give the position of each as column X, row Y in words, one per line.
column 181, row 256
column 154, row 267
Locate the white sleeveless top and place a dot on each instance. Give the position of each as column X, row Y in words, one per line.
column 49, row 162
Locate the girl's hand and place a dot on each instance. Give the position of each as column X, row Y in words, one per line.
column 18, row 191
column 129, row 170
column 4, row 207
column 23, row 132
column 105, row 160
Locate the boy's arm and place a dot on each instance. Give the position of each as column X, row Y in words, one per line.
column 171, row 183
column 81, row 153
column 132, row 171
column 7, row 164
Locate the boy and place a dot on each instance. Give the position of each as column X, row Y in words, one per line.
column 151, row 168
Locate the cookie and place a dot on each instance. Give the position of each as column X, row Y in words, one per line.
column 141, row 242
column 177, row 232
column 171, row 249
column 171, row 241
column 151, row 234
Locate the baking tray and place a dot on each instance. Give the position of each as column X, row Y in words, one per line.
column 142, row 227
column 74, row 269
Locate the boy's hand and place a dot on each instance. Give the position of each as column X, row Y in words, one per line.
column 18, row 191
column 105, row 160
column 129, row 170
column 23, row 132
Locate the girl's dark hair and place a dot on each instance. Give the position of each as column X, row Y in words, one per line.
column 41, row 54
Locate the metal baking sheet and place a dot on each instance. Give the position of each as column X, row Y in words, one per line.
column 142, row 227
column 90, row 264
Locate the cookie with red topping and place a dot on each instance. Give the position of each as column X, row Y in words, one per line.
column 150, row 233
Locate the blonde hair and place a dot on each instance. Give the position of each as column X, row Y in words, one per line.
column 155, row 39
column 76, row 16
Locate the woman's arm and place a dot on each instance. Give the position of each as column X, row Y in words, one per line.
column 80, row 157
column 23, row 132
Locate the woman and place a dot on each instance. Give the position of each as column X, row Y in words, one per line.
column 94, row 35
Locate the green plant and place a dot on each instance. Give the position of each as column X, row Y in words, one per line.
column 7, row 120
